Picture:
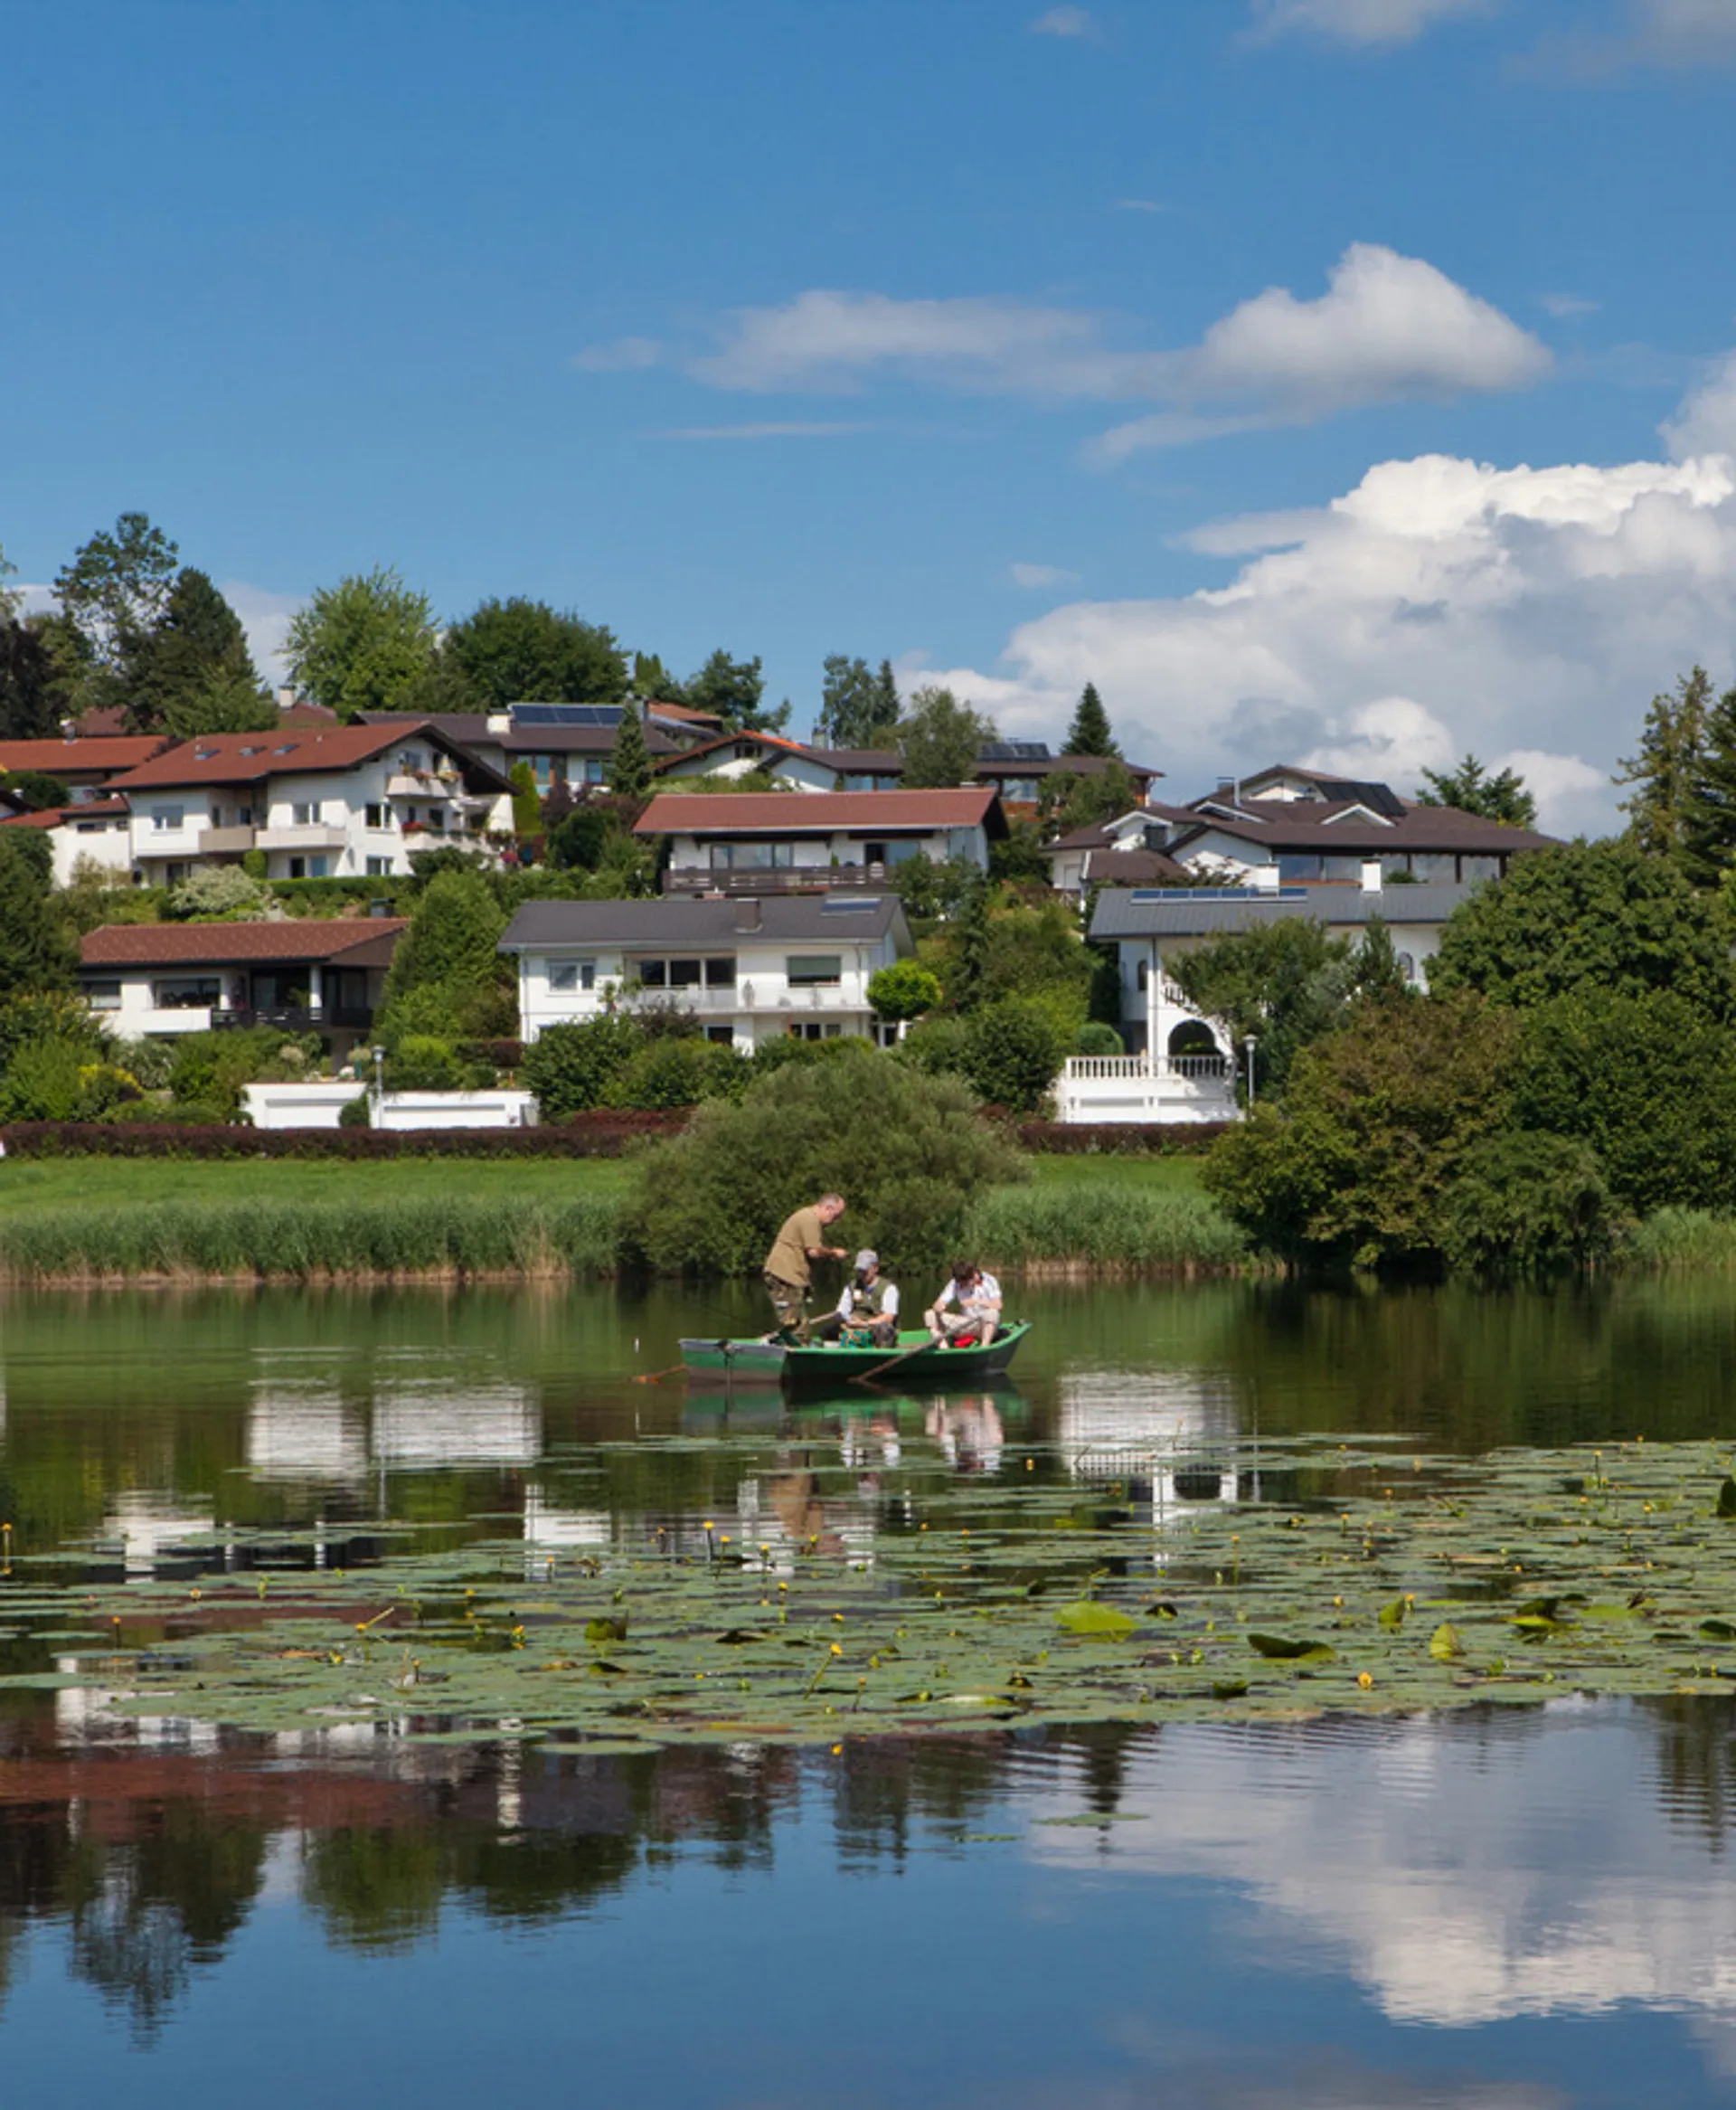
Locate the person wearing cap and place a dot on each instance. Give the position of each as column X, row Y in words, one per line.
column 868, row 1309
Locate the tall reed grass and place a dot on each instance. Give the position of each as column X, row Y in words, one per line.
column 1104, row 1226
column 303, row 1240
column 1682, row 1238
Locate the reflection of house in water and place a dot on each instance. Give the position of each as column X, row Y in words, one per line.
column 305, row 1434
column 148, row 1524
column 1170, row 1436
column 319, row 1431
column 548, row 1528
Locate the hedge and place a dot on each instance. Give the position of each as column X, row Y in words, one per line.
column 605, row 1133
column 1115, row 1139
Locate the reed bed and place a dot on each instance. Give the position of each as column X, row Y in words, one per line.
column 1102, row 1228
column 1682, row 1238
column 264, row 1240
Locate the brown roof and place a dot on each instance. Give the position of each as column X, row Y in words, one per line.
column 239, row 758
column 1321, row 827
column 348, row 938
column 53, row 816
column 1109, row 867
column 73, row 758
column 708, row 813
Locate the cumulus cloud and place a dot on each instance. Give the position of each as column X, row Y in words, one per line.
column 1360, row 21
column 1034, row 576
column 1706, row 422
column 1065, row 21
column 265, row 618
column 1442, row 605
column 1387, row 328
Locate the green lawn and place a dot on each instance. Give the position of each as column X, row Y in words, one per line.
column 1148, row 1175
column 126, row 1182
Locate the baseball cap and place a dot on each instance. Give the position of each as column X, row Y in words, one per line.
column 867, row 1259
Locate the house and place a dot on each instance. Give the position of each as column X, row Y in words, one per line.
column 563, row 743
column 1305, row 826
column 84, row 766
column 753, row 968
column 326, row 802
column 1179, row 1066
column 771, row 841
column 98, row 833
column 323, row 975
column 1125, row 852
column 1013, row 768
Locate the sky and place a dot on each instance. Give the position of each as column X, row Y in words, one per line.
column 1351, row 381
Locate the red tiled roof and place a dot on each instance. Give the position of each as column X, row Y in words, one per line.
column 233, row 758
column 65, row 758
column 216, row 944
column 819, row 812
column 53, row 816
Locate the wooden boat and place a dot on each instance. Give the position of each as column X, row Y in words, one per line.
column 825, row 1366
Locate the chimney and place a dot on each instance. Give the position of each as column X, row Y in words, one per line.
column 285, row 699
column 1232, row 787
column 1372, row 876
column 1264, row 877
column 747, row 916
column 500, row 723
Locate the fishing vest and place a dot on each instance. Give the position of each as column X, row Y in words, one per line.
column 866, row 1303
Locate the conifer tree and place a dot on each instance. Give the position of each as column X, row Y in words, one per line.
column 1665, row 770
column 1090, row 731
column 1708, row 834
column 629, row 765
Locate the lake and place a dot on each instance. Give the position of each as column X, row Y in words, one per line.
column 1497, row 1909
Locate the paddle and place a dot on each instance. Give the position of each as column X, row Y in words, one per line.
column 879, row 1369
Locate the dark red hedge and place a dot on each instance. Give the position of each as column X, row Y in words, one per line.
column 603, row 1134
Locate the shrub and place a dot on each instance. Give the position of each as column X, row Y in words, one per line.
column 1112, row 1139
column 936, row 1046
column 571, row 1067
column 255, row 864
column 44, row 1081
column 423, row 1062
column 209, row 1069
column 670, row 1072
column 905, row 1149
column 1093, row 1038
column 357, row 1112
column 575, row 843
column 149, row 1061
column 1013, row 1051
column 1526, row 1205
column 193, row 1132
column 452, row 939
column 50, row 1014
column 905, row 989
column 220, row 890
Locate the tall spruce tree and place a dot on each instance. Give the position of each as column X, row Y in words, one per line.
column 1709, row 838
column 858, row 707
column 1090, row 731
column 1665, row 772
column 190, row 672
column 34, row 692
column 629, row 764
column 1471, row 788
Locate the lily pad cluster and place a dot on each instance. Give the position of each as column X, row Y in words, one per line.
column 1349, row 1577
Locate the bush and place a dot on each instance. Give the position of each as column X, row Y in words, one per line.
column 1096, row 1039
column 151, row 1062
column 935, row 1046
column 569, row 1068
column 903, row 990
column 906, row 1151
column 668, row 1073
column 220, row 890
column 1527, row 1206
column 794, row 1050
column 575, row 844
column 357, row 1112
column 452, row 939
column 46, row 1081
column 32, row 1016
column 255, row 864
column 190, row 1132
column 209, row 1069
column 1113, row 1139
column 423, row 1062
column 1013, row 1050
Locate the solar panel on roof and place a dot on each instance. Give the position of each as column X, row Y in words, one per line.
column 1177, row 896
column 1016, row 751
column 852, row 904
column 566, row 713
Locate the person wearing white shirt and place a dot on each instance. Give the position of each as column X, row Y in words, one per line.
column 869, row 1304
column 979, row 1298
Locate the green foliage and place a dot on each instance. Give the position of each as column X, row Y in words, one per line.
column 1378, row 1121
column 361, row 645
column 1649, row 1082
column 1013, row 1049
column 671, row 1071
column 570, row 1068
column 209, row 1069
column 357, row 1112
column 906, row 1151
column 1106, row 1224
column 428, row 1061
column 1094, row 1038
column 1663, row 815
column 255, row 864
column 1018, row 859
column 520, row 651
column 453, row 941
column 1601, row 917
column 191, row 671
column 220, row 890
column 932, row 888
column 527, row 806
column 37, row 948
column 1472, row 789
column 1286, row 982
column 936, row 1046
column 1526, row 1206
column 858, row 707
column 113, row 593
column 1091, row 732
column 38, row 791
column 1070, row 800
column 56, row 1077
column 1710, row 832
column 1001, row 947
column 575, row 842
column 227, row 702
column 151, row 1062
column 941, row 740
column 629, row 761
column 904, row 990
column 734, row 691
column 51, row 1014
column 36, row 693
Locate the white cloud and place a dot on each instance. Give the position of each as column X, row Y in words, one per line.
column 1647, row 32
column 265, row 618
column 1387, row 327
column 1706, row 422
column 1565, row 305
column 1360, row 21
column 625, row 355
column 1441, row 606
column 1065, row 21
column 1033, row 576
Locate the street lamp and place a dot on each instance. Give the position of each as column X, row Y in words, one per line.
column 379, row 1086
column 1249, row 1042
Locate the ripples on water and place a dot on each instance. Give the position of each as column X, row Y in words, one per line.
column 1503, row 1909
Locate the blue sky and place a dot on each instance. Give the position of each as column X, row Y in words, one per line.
column 1341, row 378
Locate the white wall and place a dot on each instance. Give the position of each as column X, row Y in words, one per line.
column 316, row 1105
column 819, row 853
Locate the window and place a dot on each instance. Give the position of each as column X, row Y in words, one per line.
column 813, row 1030
column 1408, row 966
column 413, row 760
column 752, row 856
column 166, row 818
column 719, row 973
column 814, row 971
column 436, row 820
column 373, row 817
column 572, row 974
column 305, row 815
column 670, row 974
column 186, row 992
column 297, row 867
column 379, row 868
column 102, row 996
column 594, row 769
column 722, row 1035
column 318, row 867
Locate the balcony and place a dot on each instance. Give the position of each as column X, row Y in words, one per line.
column 316, row 836
column 300, row 1017
column 784, row 879
column 1130, row 1088
column 225, row 842
column 744, row 1000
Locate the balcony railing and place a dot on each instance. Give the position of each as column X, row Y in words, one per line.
column 1132, row 1069
column 784, row 879
column 745, row 998
column 217, row 842
column 298, row 1018
column 307, row 836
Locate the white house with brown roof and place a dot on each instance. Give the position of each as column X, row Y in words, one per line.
column 333, row 802
column 1013, row 768
column 83, row 766
column 753, row 968
column 97, row 833
column 776, row 841
column 313, row 975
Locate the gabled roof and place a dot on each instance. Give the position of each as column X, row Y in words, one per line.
column 73, row 757
column 356, row 940
column 1323, row 828
column 773, row 744
column 245, row 758
column 53, row 816
column 1126, row 911
column 783, row 813
column 705, row 921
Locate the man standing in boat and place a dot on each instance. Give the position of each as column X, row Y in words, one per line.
column 789, row 1275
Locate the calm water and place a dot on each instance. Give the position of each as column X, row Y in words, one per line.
column 1499, row 1912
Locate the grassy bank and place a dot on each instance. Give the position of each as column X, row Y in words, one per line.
column 92, row 1219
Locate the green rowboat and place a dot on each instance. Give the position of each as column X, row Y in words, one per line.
column 825, row 1367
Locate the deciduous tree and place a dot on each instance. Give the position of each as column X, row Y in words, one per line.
column 361, row 645
column 525, row 651
column 115, row 591
column 941, row 739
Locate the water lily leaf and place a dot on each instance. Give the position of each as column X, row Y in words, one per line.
column 1290, row 1652
column 606, row 1629
column 1718, row 1630
column 1103, row 1620
column 1727, row 1499
column 739, row 1637
column 1230, row 1688
column 1391, row 1616
column 1445, row 1645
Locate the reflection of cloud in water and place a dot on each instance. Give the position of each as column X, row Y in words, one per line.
column 1464, row 1870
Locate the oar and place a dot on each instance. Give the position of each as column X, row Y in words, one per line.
column 657, row 1376
column 879, row 1369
